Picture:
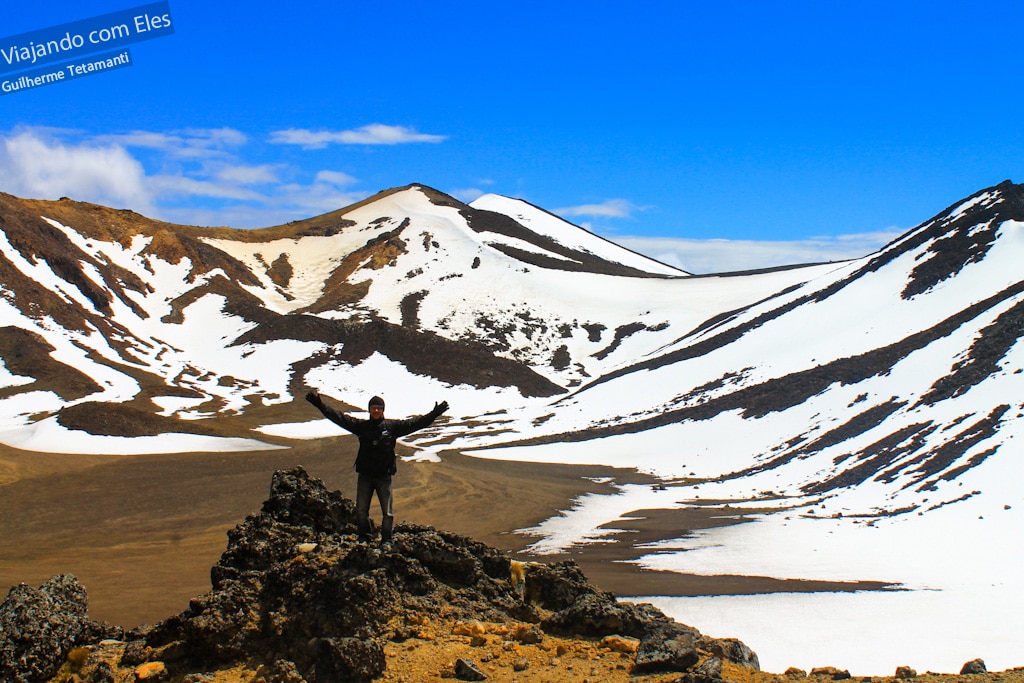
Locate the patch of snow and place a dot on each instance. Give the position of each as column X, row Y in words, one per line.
column 313, row 429
column 868, row 633
column 48, row 436
column 405, row 393
column 18, row 411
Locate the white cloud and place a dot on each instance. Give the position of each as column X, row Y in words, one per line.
column 248, row 175
column 611, row 208
column 35, row 164
column 723, row 256
column 336, row 178
column 467, row 194
column 190, row 143
column 310, row 200
column 218, row 137
column 373, row 134
column 167, row 186
column 190, row 176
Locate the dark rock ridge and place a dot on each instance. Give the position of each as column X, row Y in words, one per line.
column 294, row 589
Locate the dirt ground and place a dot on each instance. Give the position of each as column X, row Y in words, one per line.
column 141, row 533
column 432, row 655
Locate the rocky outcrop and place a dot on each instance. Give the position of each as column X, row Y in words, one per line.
column 40, row 626
column 295, row 590
column 296, row 599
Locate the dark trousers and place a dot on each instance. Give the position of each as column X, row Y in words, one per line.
column 366, row 486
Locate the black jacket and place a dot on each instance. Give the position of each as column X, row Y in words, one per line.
column 377, row 438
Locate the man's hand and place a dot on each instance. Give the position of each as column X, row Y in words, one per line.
column 440, row 407
column 314, row 398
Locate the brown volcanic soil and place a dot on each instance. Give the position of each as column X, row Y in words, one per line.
column 141, row 532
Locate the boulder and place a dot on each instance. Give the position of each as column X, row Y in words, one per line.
column 599, row 614
column 528, row 634
column 975, row 666
column 555, row 586
column 831, row 672
column 731, row 650
column 466, row 670
column 39, row 626
column 672, row 647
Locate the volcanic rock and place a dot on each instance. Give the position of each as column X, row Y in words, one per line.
column 832, row 672
column 975, row 666
column 39, row 626
column 466, row 670
column 730, row 650
column 329, row 609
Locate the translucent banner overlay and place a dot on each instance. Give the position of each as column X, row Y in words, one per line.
column 77, row 39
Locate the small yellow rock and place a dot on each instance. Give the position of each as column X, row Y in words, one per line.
column 469, row 628
column 620, row 644
column 151, row 671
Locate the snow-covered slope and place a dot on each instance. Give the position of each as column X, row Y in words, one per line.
column 565, row 234
column 405, row 293
column 865, row 426
column 844, row 418
column 899, row 371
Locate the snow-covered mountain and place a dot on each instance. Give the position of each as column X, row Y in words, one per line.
column 877, row 401
column 898, row 372
column 410, row 293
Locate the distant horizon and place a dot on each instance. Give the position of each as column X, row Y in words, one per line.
column 712, row 138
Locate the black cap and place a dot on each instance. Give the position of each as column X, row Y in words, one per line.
column 376, row 401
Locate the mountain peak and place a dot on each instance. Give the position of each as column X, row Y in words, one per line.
column 572, row 237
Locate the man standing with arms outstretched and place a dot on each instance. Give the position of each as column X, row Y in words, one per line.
column 376, row 461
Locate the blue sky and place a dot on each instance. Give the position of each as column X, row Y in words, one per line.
column 796, row 131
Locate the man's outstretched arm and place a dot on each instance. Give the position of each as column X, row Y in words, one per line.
column 404, row 427
column 439, row 409
column 336, row 416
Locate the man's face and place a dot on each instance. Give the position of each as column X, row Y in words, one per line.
column 376, row 412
